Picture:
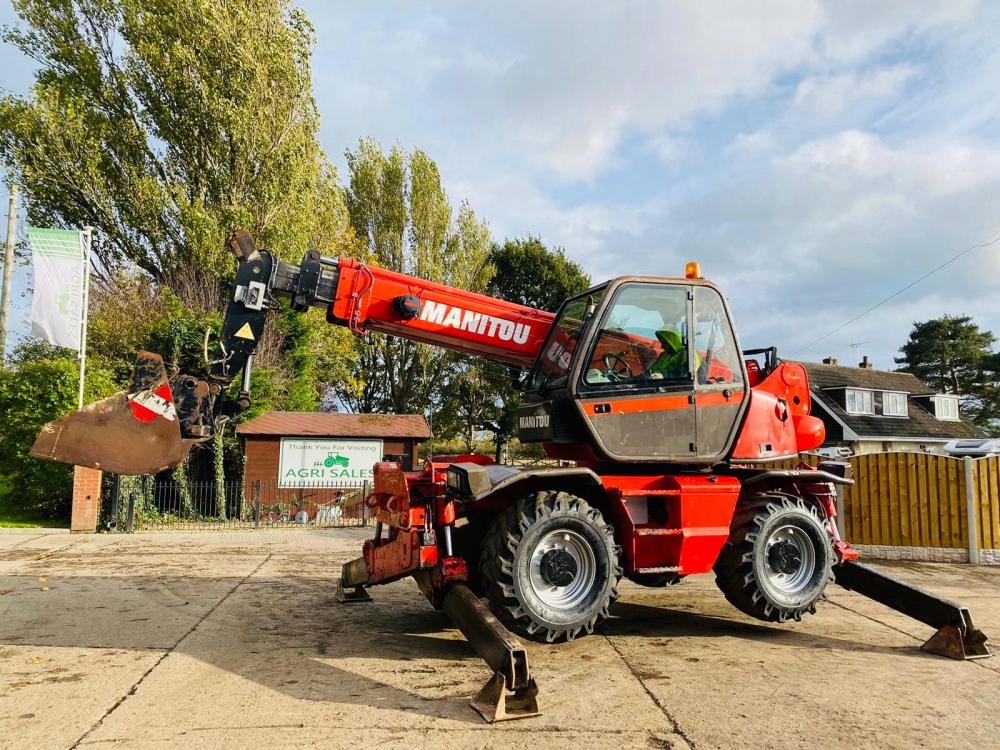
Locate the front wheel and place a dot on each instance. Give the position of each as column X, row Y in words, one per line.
column 778, row 559
column 549, row 566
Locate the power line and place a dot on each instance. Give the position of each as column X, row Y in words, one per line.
column 896, row 294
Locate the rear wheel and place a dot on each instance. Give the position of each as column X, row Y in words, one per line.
column 778, row 559
column 549, row 567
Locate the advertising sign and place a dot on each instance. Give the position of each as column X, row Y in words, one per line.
column 311, row 462
column 57, row 302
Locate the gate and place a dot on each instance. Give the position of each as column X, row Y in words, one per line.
column 154, row 504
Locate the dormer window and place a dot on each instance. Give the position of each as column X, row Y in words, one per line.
column 946, row 407
column 859, row 402
column 894, row 404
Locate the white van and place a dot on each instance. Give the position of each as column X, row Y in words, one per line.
column 973, row 448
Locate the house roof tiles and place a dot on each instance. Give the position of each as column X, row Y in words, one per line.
column 825, row 380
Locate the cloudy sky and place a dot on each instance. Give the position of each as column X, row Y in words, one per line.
column 815, row 157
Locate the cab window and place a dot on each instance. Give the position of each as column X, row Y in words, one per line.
column 718, row 358
column 553, row 363
column 643, row 340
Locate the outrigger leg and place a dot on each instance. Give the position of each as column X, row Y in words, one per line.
column 511, row 693
column 956, row 637
column 353, row 576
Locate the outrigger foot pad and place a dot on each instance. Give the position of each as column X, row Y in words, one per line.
column 495, row 703
column 355, row 594
column 950, row 641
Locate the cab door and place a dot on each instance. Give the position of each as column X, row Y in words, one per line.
column 636, row 387
column 719, row 374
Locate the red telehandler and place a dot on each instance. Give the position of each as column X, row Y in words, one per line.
column 639, row 384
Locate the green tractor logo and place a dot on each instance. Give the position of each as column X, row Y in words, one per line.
column 335, row 459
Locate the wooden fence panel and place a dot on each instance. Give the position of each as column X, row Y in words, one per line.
column 981, row 482
column 988, row 473
column 929, row 471
column 959, row 525
column 992, row 464
column 919, row 500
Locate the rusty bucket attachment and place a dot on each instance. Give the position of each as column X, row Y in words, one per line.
column 956, row 637
column 134, row 432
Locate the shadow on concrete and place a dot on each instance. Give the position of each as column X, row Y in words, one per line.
column 644, row 620
column 286, row 634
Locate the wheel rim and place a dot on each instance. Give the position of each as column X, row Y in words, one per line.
column 562, row 569
column 790, row 559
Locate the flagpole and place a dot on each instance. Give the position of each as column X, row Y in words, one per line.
column 89, row 232
column 8, row 270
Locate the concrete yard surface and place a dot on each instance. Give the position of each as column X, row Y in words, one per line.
column 234, row 640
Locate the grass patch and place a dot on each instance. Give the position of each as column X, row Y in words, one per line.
column 12, row 515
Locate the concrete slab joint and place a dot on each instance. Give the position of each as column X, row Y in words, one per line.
column 86, row 500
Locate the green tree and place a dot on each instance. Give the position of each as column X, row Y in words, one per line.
column 168, row 124
column 403, row 217
column 532, row 274
column 953, row 355
column 469, row 398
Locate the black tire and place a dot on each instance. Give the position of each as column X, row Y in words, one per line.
column 778, row 559
column 515, row 578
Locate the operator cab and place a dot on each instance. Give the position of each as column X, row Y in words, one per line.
column 647, row 368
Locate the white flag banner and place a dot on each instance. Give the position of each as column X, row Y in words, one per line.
column 57, row 304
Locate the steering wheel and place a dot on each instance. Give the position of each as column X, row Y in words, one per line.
column 616, row 368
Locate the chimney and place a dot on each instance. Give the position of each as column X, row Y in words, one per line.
column 830, row 361
column 864, row 364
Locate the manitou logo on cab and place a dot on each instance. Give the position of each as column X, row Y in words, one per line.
column 474, row 322
column 534, row 422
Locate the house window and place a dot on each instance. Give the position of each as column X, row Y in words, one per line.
column 946, row 407
column 860, row 402
column 894, row 404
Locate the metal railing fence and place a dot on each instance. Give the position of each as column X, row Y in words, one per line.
column 155, row 504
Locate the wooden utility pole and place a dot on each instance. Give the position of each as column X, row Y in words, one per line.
column 8, row 270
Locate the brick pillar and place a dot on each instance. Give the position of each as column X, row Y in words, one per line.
column 86, row 500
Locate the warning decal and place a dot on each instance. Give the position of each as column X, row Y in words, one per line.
column 148, row 405
column 245, row 332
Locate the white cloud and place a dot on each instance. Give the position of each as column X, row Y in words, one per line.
column 808, row 240
column 832, row 96
column 557, row 84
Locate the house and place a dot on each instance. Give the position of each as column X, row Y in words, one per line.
column 868, row 411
